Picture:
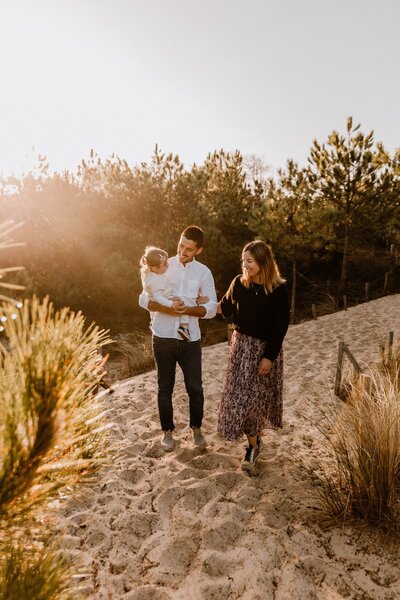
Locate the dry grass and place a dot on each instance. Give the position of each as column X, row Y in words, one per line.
column 133, row 351
column 52, row 431
column 50, row 420
column 37, row 574
column 390, row 362
column 362, row 476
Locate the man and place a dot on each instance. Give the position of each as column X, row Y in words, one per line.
column 191, row 279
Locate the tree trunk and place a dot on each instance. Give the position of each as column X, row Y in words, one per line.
column 343, row 274
column 294, row 284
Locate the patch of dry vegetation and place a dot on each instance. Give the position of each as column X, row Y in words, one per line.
column 34, row 573
column 361, row 479
column 52, row 431
column 132, row 353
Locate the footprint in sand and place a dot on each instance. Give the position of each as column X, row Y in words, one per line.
column 217, row 564
column 137, row 526
column 226, row 508
column 105, row 499
column 165, row 502
column 215, row 591
column 224, row 482
column 172, row 558
column 191, row 473
column 132, row 476
column 222, row 536
column 196, row 498
column 148, row 592
column 247, row 497
column 214, row 461
column 95, row 539
column 154, row 451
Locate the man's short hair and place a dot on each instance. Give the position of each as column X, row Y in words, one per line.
column 195, row 234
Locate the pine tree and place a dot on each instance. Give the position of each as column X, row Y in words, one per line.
column 285, row 221
column 348, row 174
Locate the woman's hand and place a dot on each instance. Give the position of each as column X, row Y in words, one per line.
column 265, row 366
column 202, row 300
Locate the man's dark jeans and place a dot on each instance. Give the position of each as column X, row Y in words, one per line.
column 167, row 353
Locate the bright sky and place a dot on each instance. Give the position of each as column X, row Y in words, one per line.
column 262, row 76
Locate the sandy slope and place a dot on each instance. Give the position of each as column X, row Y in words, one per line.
column 192, row 525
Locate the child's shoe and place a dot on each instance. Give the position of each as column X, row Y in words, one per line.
column 184, row 333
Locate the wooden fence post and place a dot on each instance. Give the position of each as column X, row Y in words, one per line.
column 344, row 301
column 339, row 368
column 314, row 310
column 390, row 346
column 385, row 283
column 351, row 358
column 367, row 291
column 344, row 349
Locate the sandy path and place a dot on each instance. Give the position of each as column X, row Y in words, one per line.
column 192, row 525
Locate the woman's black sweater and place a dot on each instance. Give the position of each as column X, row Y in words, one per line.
column 263, row 316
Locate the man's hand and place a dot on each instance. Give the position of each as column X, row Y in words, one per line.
column 192, row 311
column 265, row 366
column 155, row 307
column 177, row 304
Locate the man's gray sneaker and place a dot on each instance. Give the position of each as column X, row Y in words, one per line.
column 167, row 442
column 198, row 438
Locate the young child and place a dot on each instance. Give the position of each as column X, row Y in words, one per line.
column 154, row 264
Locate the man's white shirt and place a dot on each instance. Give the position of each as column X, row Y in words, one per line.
column 190, row 281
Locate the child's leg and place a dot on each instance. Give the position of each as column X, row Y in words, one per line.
column 183, row 328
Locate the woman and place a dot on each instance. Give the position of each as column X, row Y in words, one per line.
column 258, row 303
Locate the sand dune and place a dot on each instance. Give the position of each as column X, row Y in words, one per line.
column 191, row 525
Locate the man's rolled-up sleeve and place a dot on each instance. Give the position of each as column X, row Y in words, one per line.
column 144, row 300
column 208, row 289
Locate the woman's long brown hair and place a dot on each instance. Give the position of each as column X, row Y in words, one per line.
column 270, row 276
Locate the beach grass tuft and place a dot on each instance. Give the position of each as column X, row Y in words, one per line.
column 134, row 350
column 50, row 420
column 53, row 430
column 34, row 573
column 361, row 478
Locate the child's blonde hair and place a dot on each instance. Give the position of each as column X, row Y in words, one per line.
column 152, row 257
